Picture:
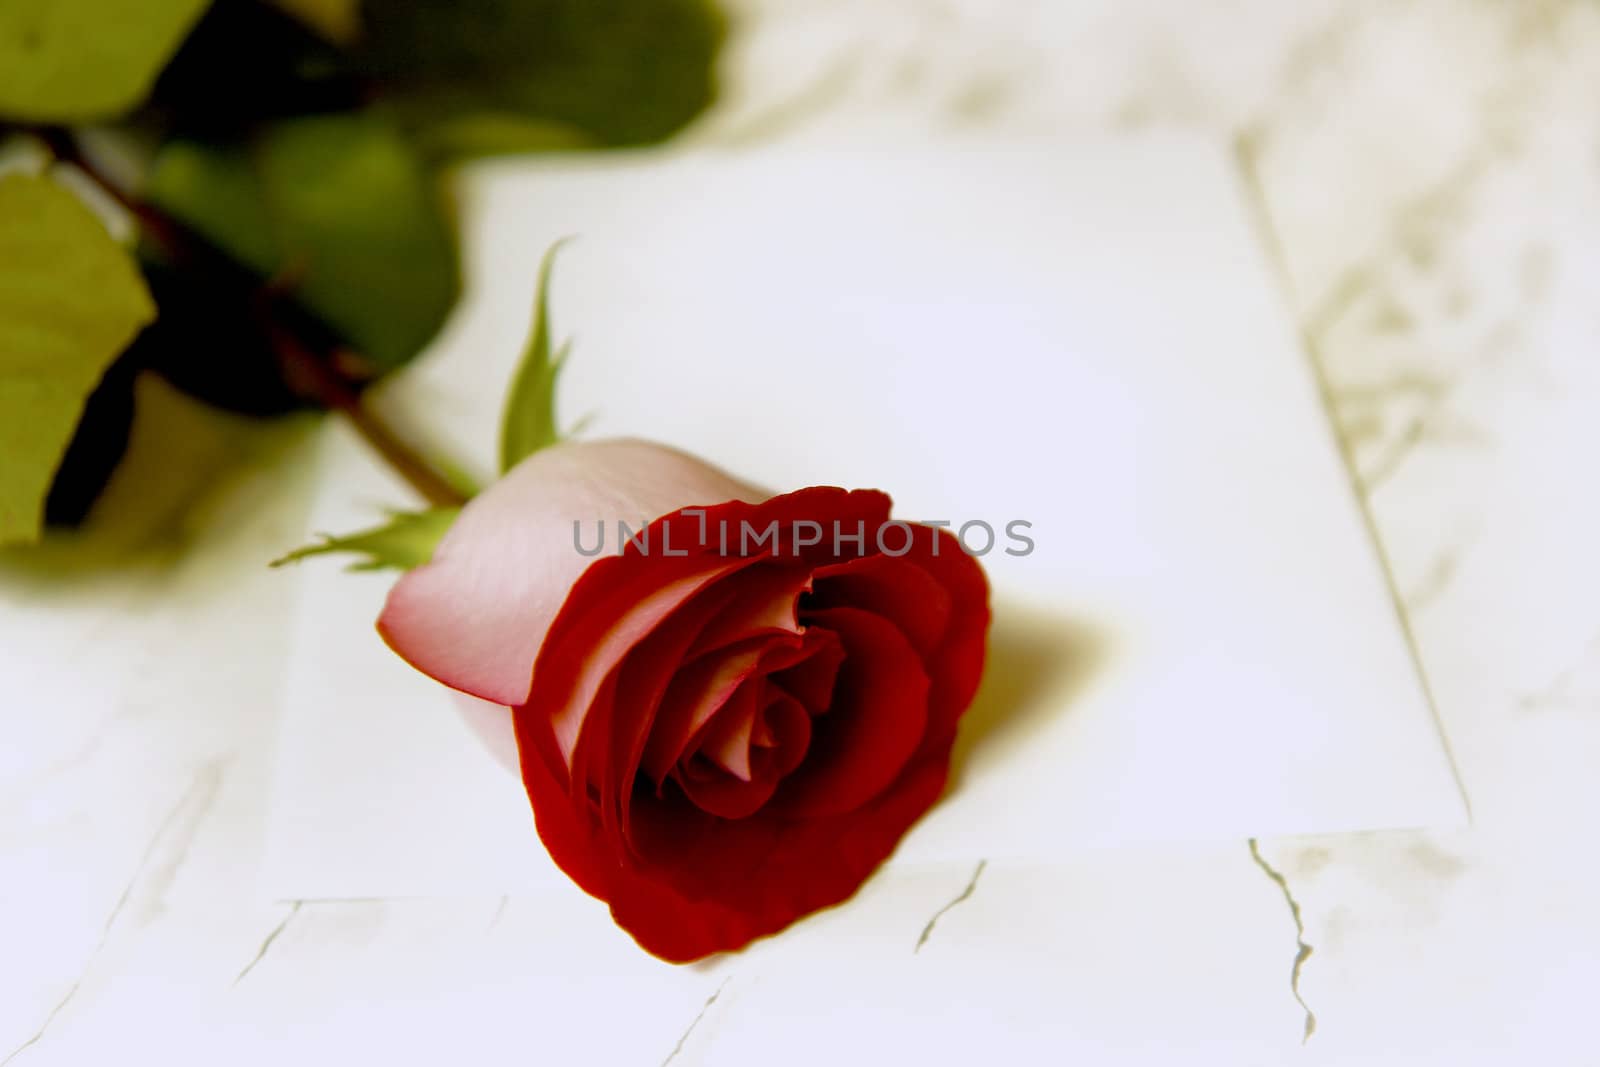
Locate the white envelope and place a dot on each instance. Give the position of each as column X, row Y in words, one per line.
column 1085, row 336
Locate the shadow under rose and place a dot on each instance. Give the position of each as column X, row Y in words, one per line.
column 1037, row 663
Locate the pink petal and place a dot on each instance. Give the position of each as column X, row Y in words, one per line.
column 475, row 617
column 727, row 741
column 697, row 693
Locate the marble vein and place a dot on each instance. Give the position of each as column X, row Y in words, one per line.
column 972, row 884
column 1558, row 690
column 1424, row 426
column 701, row 1014
column 1439, row 576
column 193, row 804
column 1302, row 946
column 1408, row 232
column 266, row 944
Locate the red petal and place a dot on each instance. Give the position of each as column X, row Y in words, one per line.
column 789, row 724
column 728, row 790
column 695, row 883
column 595, row 645
column 875, row 724
column 723, row 883
column 728, row 798
column 642, row 682
column 766, row 602
column 956, row 665
column 727, row 739
column 897, row 588
column 811, row 680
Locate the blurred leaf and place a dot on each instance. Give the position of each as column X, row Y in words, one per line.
column 70, row 301
column 188, row 471
column 97, row 445
column 623, row 71
column 407, row 540
column 23, row 153
column 476, row 135
column 215, row 190
column 529, row 420
column 182, row 456
column 208, row 342
column 336, row 20
column 340, row 209
column 80, row 60
column 358, row 213
column 246, row 62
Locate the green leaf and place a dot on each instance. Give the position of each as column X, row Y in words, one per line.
column 623, row 71
column 203, row 315
column 335, row 20
column 70, row 300
column 98, row 444
column 247, row 62
column 407, row 540
column 474, row 136
column 338, row 206
column 187, row 472
column 215, row 190
column 529, row 420
column 81, row 60
column 356, row 208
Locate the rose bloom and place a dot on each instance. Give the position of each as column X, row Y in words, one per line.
column 717, row 738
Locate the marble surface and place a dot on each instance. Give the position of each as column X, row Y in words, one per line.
column 1429, row 173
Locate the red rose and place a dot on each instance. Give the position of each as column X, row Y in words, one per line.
column 718, row 734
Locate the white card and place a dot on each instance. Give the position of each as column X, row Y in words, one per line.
column 1082, row 335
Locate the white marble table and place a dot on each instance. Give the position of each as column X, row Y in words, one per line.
column 1430, row 173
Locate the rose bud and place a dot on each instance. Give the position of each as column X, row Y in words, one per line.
column 730, row 722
